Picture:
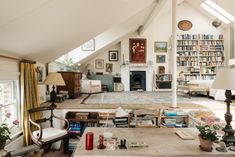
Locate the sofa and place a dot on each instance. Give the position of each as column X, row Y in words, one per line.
column 91, row 86
column 217, row 94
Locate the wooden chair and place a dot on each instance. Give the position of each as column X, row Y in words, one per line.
column 46, row 136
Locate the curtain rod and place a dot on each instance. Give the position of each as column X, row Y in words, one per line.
column 17, row 59
column 12, row 58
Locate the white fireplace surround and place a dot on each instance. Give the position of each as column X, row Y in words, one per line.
column 125, row 75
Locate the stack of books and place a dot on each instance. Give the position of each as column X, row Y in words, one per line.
column 73, row 144
column 75, row 127
column 121, row 121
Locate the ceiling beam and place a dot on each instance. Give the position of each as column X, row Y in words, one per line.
column 154, row 13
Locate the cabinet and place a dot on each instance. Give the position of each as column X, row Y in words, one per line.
column 163, row 81
column 73, row 84
column 173, row 119
column 78, row 121
column 199, row 55
column 146, row 118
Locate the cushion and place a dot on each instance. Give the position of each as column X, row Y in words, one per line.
column 50, row 133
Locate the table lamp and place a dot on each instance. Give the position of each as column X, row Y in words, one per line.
column 54, row 79
column 225, row 80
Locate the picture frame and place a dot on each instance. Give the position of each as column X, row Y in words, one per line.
column 113, row 55
column 161, row 69
column 160, row 46
column 39, row 74
column 99, row 64
column 88, row 46
column 160, row 58
column 109, row 67
column 137, row 48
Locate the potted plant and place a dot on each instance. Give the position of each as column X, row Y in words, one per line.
column 207, row 136
column 4, row 135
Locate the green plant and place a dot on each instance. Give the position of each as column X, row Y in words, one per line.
column 68, row 64
column 4, row 135
column 208, row 132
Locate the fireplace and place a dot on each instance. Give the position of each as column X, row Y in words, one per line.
column 137, row 80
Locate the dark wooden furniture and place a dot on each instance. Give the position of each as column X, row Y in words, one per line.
column 163, row 81
column 41, row 136
column 73, row 85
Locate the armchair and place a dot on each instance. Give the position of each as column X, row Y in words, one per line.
column 46, row 136
column 91, row 86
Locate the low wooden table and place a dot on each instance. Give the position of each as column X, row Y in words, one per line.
column 161, row 142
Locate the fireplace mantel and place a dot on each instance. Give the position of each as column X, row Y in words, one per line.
column 125, row 75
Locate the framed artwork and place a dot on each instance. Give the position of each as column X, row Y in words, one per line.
column 39, row 74
column 161, row 70
column 113, row 55
column 99, row 64
column 161, row 59
column 160, row 46
column 137, row 50
column 109, row 67
column 89, row 46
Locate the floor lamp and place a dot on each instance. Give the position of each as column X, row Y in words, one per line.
column 54, row 79
column 225, row 80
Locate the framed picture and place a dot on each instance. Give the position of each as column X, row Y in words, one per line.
column 113, row 55
column 161, row 70
column 160, row 46
column 137, row 50
column 89, row 46
column 39, row 74
column 161, row 59
column 99, row 64
column 109, row 67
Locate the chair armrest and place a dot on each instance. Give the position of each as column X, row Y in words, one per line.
column 30, row 131
column 63, row 119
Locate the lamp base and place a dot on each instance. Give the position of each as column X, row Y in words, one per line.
column 228, row 137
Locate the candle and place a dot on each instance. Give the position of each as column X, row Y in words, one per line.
column 89, row 141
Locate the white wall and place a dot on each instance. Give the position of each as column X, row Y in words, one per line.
column 105, row 57
column 161, row 29
column 9, row 69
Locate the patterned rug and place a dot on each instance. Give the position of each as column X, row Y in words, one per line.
column 159, row 99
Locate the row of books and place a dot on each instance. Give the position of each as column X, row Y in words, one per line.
column 121, row 121
column 200, row 37
column 199, row 42
column 199, row 77
column 74, row 127
column 164, row 77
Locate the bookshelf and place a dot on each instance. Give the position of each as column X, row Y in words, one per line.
column 174, row 119
column 200, row 55
column 163, row 81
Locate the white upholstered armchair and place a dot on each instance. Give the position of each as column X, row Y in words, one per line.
column 91, row 86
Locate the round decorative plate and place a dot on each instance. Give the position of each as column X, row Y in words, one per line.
column 185, row 25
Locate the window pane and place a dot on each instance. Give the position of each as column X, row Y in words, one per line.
column 9, row 107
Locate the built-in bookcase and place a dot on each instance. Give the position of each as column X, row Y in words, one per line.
column 200, row 55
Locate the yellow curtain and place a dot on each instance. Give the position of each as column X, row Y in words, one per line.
column 29, row 96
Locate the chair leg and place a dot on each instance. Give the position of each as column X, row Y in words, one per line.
column 65, row 145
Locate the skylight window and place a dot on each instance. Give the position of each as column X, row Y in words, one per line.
column 217, row 11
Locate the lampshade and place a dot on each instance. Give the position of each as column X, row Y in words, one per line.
column 231, row 62
column 224, row 79
column 54, row 79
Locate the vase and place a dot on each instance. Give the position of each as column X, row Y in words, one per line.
column 205, row 145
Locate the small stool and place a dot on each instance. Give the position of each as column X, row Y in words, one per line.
column 60, row 97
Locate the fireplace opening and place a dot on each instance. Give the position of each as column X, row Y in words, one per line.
column 137, row 80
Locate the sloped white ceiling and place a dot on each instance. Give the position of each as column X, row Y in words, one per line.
column 44, row 30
